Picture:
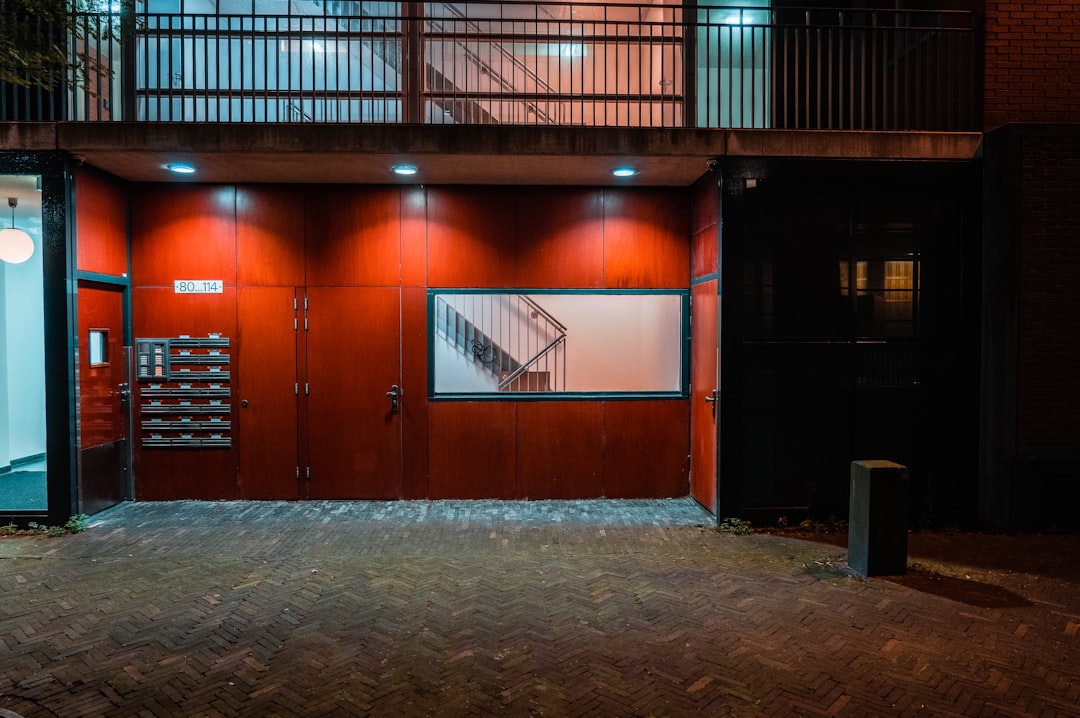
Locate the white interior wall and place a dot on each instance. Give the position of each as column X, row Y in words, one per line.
column 620, row 342
column 5, row 450
column 22, row 398
column 457, row 373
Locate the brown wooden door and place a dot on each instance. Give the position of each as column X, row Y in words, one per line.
column 704, row 396
column 353, row 359
column 103, row 398
column 267, row 388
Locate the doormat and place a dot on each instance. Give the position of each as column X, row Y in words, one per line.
column 24, row 491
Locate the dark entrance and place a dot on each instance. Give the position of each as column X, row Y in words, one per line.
column 850, row 334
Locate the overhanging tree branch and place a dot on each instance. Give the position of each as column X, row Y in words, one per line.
column 46, row 42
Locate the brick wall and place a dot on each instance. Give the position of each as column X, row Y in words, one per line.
column 1048, row 340
column 1032, row 62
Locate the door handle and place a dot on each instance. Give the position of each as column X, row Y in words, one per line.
column 394, row 394
column 711, row 398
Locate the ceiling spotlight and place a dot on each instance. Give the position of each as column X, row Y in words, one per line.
column 180, row 168
column 624, row 171
column 405, row 170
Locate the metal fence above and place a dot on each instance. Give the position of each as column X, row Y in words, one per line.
column 501, row 62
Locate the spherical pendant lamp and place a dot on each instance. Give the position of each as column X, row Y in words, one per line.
column 15, row 245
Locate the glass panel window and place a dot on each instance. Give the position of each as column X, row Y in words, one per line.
column 98, row 347
column 22, row 353
column 504, row 343
column 888, row 280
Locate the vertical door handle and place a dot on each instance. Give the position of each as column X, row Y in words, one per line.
column 394, row 394
column 711, row 398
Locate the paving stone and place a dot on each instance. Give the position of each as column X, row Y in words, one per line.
column 548, row 608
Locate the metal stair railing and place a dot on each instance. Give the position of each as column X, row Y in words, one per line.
column 554, row 350
column 472, row 341
column 496, row 329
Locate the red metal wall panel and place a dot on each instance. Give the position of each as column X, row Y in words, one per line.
column 704, row 227
column 414, row 230
column 703, row 417
column 646, row 239
column 100, row 416
column 354, row 440
column 265, row 382
column 169, row 474
column 159, row 312
column 472, row 449
column 183, row 232
column 646, row 444
column 354, row 237
column 270, row 236
column 471, row 237
column 387, row 237
column 560, row 238
column 414, row 403
column 100, row 224
column 560, row 449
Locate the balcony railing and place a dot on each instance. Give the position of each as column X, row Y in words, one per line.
column 501, row 62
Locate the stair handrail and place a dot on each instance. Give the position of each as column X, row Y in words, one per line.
column 561, row 327
column 512, row 376
column 516, row 368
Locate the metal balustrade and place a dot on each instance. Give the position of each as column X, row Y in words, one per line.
column 515, row 341
column 517, row 63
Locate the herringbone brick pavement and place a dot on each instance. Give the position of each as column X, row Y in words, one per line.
column 596, row 608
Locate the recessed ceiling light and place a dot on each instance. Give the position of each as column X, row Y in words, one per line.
column 404, row 170
column 624, row 171
column 180, row 168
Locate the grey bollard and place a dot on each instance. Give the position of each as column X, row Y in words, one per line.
column 877, row 519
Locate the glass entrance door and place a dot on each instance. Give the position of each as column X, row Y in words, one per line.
column 23, row 469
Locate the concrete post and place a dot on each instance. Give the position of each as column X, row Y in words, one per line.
column 877, row 520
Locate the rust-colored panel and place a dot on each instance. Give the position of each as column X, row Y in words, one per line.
column 646, row 239
column 413, row 236
column 704, row 204
column 560, row 449
column 159, row 312
column 645, row 449
column 100, row 224
column 704, row 227
column 560, row 238
column 354, row 440
column 414, row 403
column 174, row 474
column 703, row 379
column 704, row 248
column 182, row 232
column 169, row 474
column 100, row 414
column 270, row 236
column 265, row 424
column 472, row 450
column 353, row 236
column 471, row 237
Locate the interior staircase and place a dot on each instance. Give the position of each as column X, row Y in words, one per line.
column 542, row 371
